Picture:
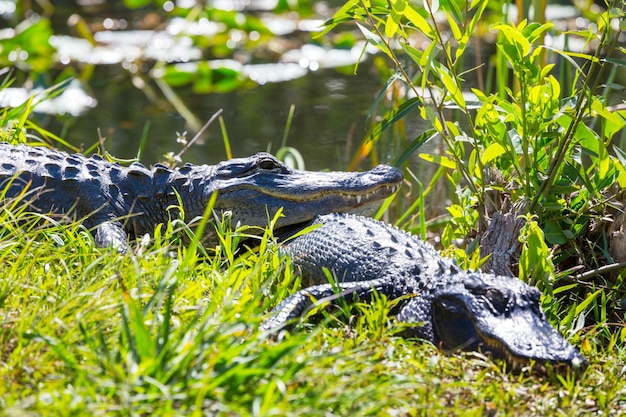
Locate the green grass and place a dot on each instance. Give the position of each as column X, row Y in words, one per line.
column 173, row 330
column 88, row 332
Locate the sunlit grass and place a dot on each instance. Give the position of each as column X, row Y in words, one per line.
column 87, row 331
column 172, row 328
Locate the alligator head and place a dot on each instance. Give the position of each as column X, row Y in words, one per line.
column 500, row 315
column 253, row 189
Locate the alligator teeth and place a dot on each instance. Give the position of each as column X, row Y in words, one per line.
column 358, row 199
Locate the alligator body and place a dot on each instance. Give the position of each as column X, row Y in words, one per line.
column 450, row 307
column 115, row 201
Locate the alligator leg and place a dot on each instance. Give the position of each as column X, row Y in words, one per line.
column 111, row 234
column 298, row 304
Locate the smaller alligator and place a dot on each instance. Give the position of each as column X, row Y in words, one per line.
column 115, row 201
column 450, row 307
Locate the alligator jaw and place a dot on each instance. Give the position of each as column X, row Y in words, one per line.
column 518, row 332
column 537, row 336
column 303, row 195
column 336, row 201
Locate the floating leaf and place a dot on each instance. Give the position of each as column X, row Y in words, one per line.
column 176, row 76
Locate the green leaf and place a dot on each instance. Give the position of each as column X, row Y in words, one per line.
column 553, row 233
column 477, row 15
column 394, row 115
column 588, row 139
column 614, row 121
column 420, row 23
column 452, row 8
column 142, row 336
column 136, row 4
column 535, row 263
column 392, row 24
column 564, row 288
column 455, row 211
column 375, row 40
column 395, row 17
column 620, row 165
column 439, row 160
column 492, row 152
column 616, row 61
column 416, row 55
column 514, row 38
column 226, row 80
column 471, row 162
column 587, row 301
column 456, row 32
column 534, row 31
column 382, row 93
column 343, row 15
column 177, row 76
column 462, row 41
column 430, row 54
column 203, row 78
column 431, row 115
column 452, row 87
column 414, row 146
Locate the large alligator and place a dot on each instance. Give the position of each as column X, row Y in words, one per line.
column 450, row 307
column 115, row 201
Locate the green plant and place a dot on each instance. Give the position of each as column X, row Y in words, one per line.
column 530, row 142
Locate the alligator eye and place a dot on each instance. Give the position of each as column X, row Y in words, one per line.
column 267, row 164
column 498, row 300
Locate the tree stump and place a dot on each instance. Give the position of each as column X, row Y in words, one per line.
column 501, row 241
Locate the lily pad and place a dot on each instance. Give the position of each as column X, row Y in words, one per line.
column 73, row 100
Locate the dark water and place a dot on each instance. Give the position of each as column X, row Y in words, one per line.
column 330, row 107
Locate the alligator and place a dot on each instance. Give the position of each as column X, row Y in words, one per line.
column 115, row 202
column 437, row 300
